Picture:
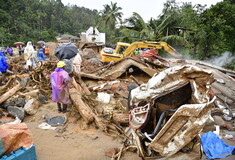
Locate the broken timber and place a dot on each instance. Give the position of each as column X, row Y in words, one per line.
column 12, row 91
column 84, row 110
column 81, row 107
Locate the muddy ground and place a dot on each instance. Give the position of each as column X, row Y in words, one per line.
column 70, row 141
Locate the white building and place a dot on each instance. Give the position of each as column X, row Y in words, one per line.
column 93, row 35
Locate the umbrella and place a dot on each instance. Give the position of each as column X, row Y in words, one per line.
column 19, row 43
column 41, row 42
column 66, row 51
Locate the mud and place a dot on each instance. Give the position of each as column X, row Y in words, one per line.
column 70, row 141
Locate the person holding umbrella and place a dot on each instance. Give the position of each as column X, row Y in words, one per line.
column 68, row 52
column 60, row 91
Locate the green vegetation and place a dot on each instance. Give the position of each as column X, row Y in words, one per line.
column 193, row 29
column 23, row 20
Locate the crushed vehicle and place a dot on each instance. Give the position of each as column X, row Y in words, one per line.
column 170, row 110
column 125, row 49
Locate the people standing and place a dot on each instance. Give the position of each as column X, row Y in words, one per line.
column 21, row 50
column 60, row 91
column 77, row 60
column 47, row 51
column 30, row 55
column 41, row 56
column 3, row 67
column 9, row 51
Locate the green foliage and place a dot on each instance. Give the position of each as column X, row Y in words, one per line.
column 136, row 29
column 110, row 16
column 42, row 20
column 218, row 28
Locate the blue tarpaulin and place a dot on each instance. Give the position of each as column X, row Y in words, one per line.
column 214, row 147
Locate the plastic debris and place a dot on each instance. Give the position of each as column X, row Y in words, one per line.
column 56, row 121
column 46, row 126
column 104, row 97
column 215, row 147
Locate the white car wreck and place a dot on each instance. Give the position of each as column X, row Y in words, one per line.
column 170, row 110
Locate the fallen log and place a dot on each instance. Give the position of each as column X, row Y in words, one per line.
column 121, row 118
column 4, row 88
column 98, row 121
column 75, row 84
column 85, row 88
column 84, row 110
column 10, row 93
column 33, row 93
column 82, row 83
column 225, row 91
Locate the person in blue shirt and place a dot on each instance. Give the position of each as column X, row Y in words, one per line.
column 3, row 67
column 41, row 55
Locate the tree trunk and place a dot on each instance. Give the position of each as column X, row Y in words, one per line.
column 84, row 110
column 10, row 93
column 121, row 118
column 4, row 88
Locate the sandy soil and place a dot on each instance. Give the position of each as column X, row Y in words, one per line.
column 70, row 141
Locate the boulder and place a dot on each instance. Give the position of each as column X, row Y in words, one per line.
column 8, row 102
column 16, row 112
column 31, row 106
column 42, row 99
column 20, row 102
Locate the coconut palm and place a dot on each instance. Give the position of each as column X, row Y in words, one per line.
column 136, row 29
column 163, row 29
column 156, row 30
column 111, row 15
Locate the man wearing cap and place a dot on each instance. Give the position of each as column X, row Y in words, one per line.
column 60, row 91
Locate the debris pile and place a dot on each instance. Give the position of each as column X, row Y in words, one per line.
column 155, row 117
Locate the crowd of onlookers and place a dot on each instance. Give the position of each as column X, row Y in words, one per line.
column 19, row 50
column 30, row 53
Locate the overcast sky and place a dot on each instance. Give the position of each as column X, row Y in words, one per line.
column 146, row 8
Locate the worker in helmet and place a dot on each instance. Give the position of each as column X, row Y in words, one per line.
column 60, row 91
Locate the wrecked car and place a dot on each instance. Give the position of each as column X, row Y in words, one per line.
column 170, row 110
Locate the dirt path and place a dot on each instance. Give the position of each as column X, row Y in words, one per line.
column 70, row 143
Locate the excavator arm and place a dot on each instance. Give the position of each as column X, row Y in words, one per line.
column 125, row 49
column 152, row 45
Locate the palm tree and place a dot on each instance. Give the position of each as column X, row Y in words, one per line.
column 162, row 29
column 136, row 29
column 162, row 26
column 111, row 15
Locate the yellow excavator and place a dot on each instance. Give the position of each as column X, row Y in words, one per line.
column 126, row 49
